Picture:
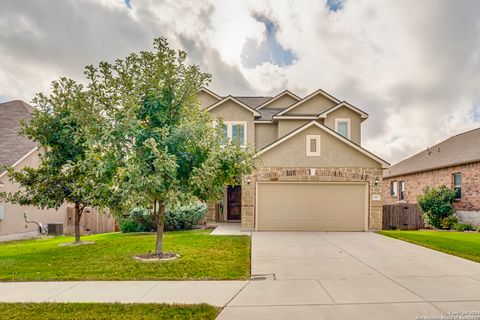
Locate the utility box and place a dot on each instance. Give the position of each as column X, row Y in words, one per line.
column 2, row 212
column 55, row 228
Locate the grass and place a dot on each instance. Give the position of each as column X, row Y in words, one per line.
column 203, row 257
column 103, row 311
column 461, row 244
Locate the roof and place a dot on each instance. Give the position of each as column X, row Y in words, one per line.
column 213, row 94
column 460, row 149
column 272, row 145
column 12, row 146
column 253, row 102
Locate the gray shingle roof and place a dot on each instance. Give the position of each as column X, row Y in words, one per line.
column 12, row 146
column 253, row 102
column 267, row 113
column 459, row 149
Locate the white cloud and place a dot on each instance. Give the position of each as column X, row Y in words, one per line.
column 412, row 65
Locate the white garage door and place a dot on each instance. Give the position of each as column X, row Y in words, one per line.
column 311, row 206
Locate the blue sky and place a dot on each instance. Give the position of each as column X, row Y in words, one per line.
column 269, row 50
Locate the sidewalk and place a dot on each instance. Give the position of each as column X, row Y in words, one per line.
column 216, row 293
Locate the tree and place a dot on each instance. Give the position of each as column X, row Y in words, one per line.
column 65, row 170
column 165, row 147
column 436, row 203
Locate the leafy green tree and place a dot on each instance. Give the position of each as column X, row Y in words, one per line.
column 436, row 203
column 58, row 125
column 164, row 146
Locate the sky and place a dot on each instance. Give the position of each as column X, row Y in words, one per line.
column 414, row 66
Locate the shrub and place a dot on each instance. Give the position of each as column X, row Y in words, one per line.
column 436, row 203
column 462, row 227
column 185, row 217
column 139, row 220
column 449, row 222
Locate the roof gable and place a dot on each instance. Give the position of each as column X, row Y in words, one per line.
column 211, row 93
column 307, row 98
column 231, row 98
column 345, row 104
column 329, row 131
column 278, row 96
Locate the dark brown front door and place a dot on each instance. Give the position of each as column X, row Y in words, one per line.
column 234, row 203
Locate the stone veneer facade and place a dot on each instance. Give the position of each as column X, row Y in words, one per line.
column 416, row 182
column 367, row 175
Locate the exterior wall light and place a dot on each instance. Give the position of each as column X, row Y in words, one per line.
column 376, row 181
column 248, row 181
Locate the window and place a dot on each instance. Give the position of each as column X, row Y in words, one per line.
column 313, row 146
column 394, row 188
column 236, row 131
column 402, row 190
column 342, row 126
column 457, row 185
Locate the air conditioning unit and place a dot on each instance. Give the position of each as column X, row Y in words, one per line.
column 55, row 228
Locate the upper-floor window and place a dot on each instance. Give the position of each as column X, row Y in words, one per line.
column 457, row 185
column 394, row 188
column 313, row 145
column 401, row 185
column 235, row 131
column 342, row 126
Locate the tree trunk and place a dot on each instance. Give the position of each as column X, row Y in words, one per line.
column 78, row 215
column 160, row 217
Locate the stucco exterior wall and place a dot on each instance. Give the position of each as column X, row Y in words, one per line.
column 14, row 222
column 322, row 174
column 333, row 153
column 415, row 183
column 265, row 133
column 287, row 126
column 355, row 122
column 231, row 111
column 282, row 102
column 313, row 106
column 206, row 99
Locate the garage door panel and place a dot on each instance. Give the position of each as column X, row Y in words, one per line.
column 311, row 206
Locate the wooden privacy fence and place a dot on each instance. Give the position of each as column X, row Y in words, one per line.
column 91, row 222
column 403, row 216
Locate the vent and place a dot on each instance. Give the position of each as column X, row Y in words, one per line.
column 55, row 228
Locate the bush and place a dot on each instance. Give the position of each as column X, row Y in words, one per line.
column 436, row 203
column 139, row 220
column 185, row 218
column 462, row 227
column 449, row 222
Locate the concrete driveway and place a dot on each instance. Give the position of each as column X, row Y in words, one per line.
column 344, row 275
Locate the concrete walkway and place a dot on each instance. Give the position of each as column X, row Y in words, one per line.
column 307, row 275
column 216, row 293
column 229, row 229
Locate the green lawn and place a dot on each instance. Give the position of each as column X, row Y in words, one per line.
column 462, row 244
column 100, row 311
column 111, row 258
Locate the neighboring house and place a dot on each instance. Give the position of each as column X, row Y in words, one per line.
column 454, row 162
column 313, row 173
column 19, row 152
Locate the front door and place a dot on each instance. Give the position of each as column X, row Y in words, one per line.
column 234, row 202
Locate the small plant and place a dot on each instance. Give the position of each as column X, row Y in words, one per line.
column 436, row 203
column 449, row 222
column 462, row 227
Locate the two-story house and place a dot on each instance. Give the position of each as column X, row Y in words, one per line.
column 313, row 173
